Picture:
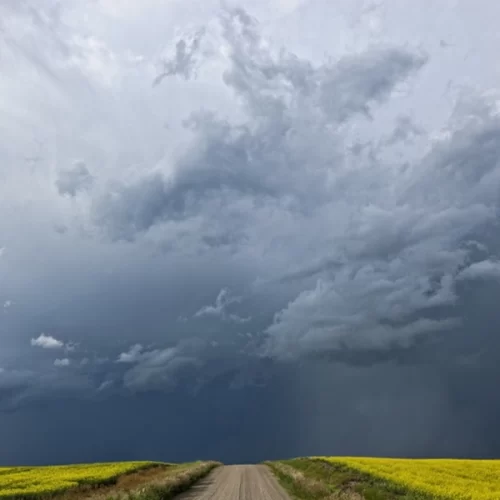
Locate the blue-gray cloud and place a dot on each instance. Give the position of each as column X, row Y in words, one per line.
column 308, row 218
column 74, row 179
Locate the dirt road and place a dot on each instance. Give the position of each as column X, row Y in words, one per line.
column 237, row 482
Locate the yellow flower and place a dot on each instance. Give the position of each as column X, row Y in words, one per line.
column 446, row 479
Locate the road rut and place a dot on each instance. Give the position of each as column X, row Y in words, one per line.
column 237, row 482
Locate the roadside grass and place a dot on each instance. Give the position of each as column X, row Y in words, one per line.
column 316, row 479
column 178, row 480
column 124, row 480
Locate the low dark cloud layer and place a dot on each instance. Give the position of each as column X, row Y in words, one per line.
column 221, row 238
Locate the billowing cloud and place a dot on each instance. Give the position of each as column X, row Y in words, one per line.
column 403, row 252
column 482, row 269
column 235, row 168
column 219, row 309
column 390, row 238
column 329, row 200
column 133, row 355
column 159, row 368
column 46, row 342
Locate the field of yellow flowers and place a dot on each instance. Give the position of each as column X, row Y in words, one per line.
column 440, row 478
column 16, row 482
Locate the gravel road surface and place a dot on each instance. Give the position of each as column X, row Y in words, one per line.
column 237, row 482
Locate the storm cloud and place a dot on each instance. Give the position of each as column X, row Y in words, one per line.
column 285, row 242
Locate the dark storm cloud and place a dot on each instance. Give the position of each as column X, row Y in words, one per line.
column 159, row 368
column 403, row 254
column 305, row 261
column 260, row 160
column 214, row 424
column 26, row 388
column 396, row 260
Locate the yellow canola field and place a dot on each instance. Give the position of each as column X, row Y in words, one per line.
column 36, row 481
column 439, row 478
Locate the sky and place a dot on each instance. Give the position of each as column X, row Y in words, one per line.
column 248, row 229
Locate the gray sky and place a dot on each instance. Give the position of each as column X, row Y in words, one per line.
column 248, row 229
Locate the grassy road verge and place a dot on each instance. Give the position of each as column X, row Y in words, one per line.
column 361, row 478
column 179, row 479
column 315, row 479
